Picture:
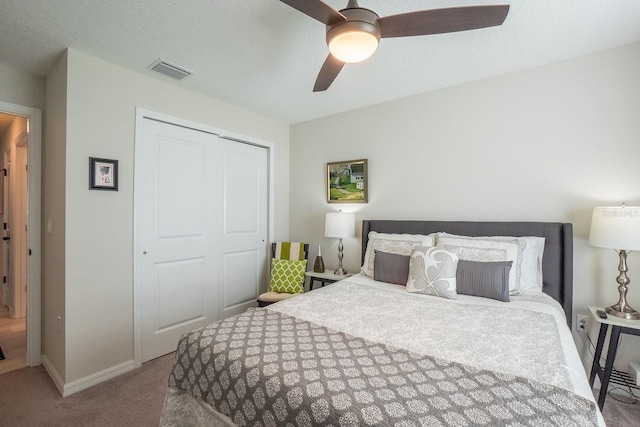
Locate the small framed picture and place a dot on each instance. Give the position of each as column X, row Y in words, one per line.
column 347, row 181
column 103, row 174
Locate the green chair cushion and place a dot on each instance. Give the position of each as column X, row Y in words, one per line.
column 287, row 275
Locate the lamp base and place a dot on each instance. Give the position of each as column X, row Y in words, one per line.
column 626, row 313
column 340, row 272
column 621, row 308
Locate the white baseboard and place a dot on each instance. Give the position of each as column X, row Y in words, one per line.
column 86, row 382
column 97, row 378
column 55, row 377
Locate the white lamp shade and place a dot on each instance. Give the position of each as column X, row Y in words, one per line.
column 353, row 46
column 616, row 228
column 339, row 224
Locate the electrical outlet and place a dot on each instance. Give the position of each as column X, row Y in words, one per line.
column 582, row 322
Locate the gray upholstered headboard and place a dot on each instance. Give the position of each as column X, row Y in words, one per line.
column 557, row 261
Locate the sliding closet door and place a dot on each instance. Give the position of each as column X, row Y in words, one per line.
column 244, row 238
column 201, row 216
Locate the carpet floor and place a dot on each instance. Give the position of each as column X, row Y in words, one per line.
column 28, row 397
column 620, row 414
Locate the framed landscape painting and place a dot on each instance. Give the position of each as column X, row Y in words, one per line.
column 347, row 181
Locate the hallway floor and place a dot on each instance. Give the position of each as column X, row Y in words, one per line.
column 13, row 341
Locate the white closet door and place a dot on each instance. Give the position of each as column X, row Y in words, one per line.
column 245, row 187
column 201, row 227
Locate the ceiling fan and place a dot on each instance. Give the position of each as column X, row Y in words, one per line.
column 353, row 33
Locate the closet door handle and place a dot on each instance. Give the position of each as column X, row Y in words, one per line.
column 6, row 238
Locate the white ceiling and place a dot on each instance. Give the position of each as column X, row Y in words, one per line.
column 264, row 56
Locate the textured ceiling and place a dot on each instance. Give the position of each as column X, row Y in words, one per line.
column 264, row 56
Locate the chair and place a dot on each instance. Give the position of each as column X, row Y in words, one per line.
column 287, row 277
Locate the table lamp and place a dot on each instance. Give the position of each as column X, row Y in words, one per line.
column 618, row 228
column 339, row 224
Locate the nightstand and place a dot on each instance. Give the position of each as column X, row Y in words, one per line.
column 324, row 278
column 618, row 326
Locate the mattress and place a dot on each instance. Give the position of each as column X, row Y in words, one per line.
column 476, row 353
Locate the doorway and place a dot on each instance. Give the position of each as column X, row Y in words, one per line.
column 21, row 141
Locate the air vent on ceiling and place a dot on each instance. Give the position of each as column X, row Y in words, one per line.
column 175, row 72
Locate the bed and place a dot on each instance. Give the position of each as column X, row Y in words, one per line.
column 368, row 352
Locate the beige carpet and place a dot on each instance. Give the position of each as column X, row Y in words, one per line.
column 619, row 414
column 29, row 398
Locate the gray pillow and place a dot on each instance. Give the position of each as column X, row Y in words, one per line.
column 391, row 268
column 484, row 279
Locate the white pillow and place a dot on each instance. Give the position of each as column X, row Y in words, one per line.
column 400, row 244
column 475, row 249
column 530, row 251
column 432, row 271
column 531, row 271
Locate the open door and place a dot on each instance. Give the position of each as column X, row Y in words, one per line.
column 26, row 226
column 5, row 232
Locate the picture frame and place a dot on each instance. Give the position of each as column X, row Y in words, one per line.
column 347, row 181
column 103, row 174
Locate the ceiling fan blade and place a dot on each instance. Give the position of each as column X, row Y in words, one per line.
column 317, row 9
column 328, row 73
column 437, row 21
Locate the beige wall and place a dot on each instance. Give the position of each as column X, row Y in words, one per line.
column 18, row 87
column 101, row 102
column 547, row 144
column 53, row 209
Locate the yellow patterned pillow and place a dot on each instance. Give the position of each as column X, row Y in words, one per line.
column 287, row 276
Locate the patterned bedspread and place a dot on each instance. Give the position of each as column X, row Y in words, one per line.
column 267, row 368
column 521, row 337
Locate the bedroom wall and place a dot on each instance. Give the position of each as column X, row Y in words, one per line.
column 18, row 87
column 53, row 209
column 546, row 144
column 101, row 102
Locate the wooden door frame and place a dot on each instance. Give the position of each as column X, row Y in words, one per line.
column 141, row 115
column 34, row 260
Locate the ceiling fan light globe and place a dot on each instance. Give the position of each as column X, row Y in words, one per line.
column 353, row 46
